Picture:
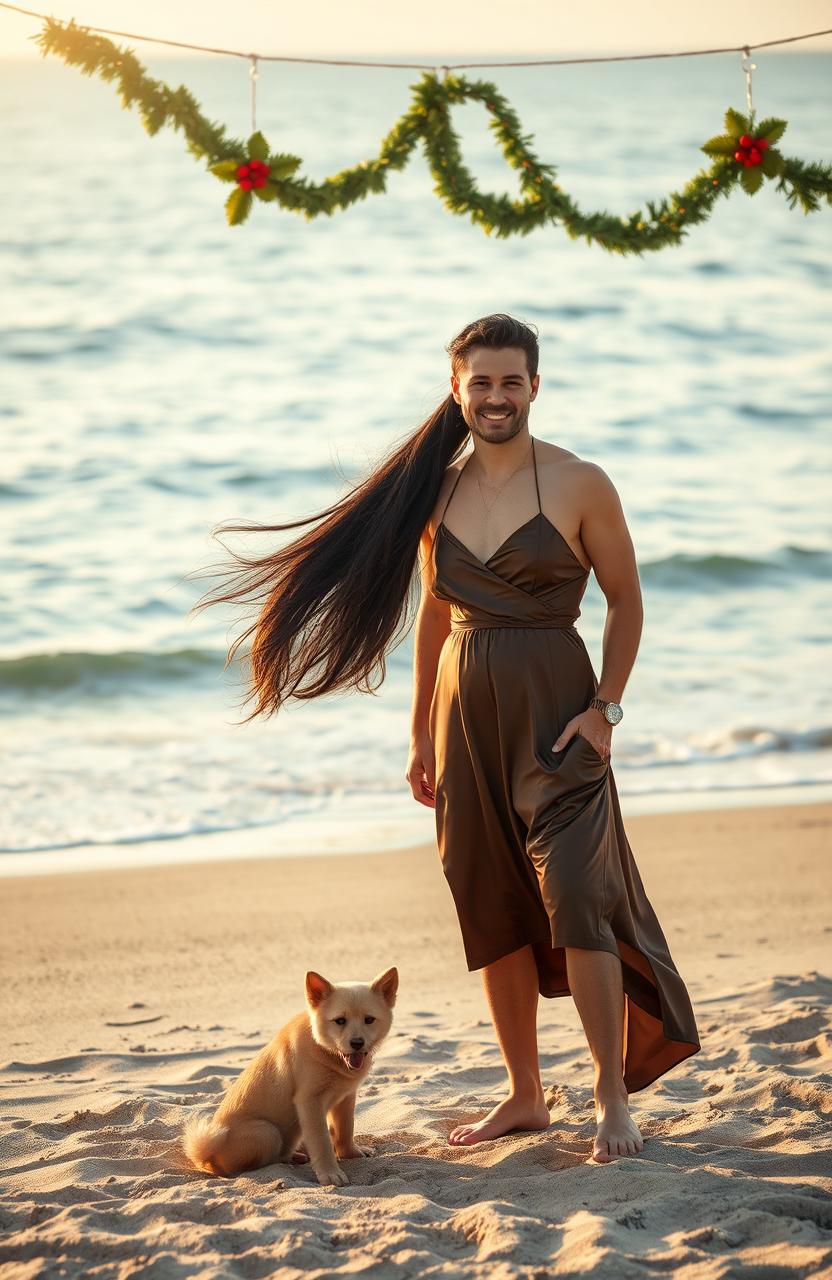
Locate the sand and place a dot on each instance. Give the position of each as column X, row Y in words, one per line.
column 132, row 997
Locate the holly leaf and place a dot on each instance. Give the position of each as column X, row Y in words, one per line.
column 238, row 206
column 773, row 163
column 266, row 192
column 226, row 169
column 282, row 166
column 258, row 147
column 724, row 144
column 735, row 123
column 772, row 128
column 751, row 178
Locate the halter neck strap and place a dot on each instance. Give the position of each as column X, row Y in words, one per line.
column 536, row 485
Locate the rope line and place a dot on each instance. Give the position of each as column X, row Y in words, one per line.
column 420, row 66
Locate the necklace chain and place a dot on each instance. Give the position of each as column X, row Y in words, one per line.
column 505, row 482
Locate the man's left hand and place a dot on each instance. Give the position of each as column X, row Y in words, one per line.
column 591, row 724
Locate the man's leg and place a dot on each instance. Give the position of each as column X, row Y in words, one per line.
column 511, row 986
column 598, row 992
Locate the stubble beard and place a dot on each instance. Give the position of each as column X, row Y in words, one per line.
column 496, row 432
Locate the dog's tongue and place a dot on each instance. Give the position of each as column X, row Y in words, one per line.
column 356, row 1059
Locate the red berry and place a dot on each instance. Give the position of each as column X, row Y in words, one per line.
column 745, row 141
column 242, row 170
column 755, row 156
column 246, row 184
column 739, row 156
column 260, row 182
column 762, row 143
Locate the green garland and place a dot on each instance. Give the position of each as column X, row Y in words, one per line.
column 259, row 174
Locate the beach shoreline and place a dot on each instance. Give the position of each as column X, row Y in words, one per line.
column 409, row 826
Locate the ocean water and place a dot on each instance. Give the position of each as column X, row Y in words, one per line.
column 163, row 373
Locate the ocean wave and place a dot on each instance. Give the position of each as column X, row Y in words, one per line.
column 31, row 673
column 686, row 571
column 741, row 742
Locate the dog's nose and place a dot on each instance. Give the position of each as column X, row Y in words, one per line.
column 357, row 1043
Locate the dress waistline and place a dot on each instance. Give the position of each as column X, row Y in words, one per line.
column 469, row 624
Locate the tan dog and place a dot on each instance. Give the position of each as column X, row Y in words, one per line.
column 306, row 1076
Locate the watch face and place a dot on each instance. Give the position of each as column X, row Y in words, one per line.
column 614, row 712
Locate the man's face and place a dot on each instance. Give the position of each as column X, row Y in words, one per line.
column 494, row 391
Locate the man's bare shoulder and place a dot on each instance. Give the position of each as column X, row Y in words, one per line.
column 578, row 470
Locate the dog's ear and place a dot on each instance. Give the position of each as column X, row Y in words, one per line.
column 317, row 988
column 388, row 984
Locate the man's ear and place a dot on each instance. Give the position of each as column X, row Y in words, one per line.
column 535, row 386
column 455, row 388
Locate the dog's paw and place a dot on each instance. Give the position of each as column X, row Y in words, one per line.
column 356, row 1150
column 332, row 1176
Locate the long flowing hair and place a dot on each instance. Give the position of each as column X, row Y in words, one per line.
column 333, row 601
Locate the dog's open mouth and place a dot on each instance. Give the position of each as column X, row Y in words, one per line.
column 354, row 1060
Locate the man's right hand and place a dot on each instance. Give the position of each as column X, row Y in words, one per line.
column 421, row 773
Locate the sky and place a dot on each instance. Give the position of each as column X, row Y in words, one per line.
column 374, row 28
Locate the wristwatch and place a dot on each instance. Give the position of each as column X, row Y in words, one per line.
column 612, row 710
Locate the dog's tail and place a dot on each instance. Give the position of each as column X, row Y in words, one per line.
column 200, row 1139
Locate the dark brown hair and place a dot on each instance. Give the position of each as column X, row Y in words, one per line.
column 333, row 601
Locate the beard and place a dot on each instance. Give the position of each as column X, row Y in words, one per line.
column 496, row 432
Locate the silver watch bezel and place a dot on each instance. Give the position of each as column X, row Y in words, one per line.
column 608, row 703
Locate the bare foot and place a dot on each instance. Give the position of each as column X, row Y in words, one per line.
column 617, row 1133
column 512, row 1113
column 300, row 1156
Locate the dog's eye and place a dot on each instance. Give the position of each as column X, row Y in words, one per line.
column 369, row 1019
column 342, row 1022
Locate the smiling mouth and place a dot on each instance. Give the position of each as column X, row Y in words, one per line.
column 495, row 417
column 354, row 1060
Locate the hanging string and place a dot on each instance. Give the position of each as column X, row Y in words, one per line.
column 748, row 66
column 419, row 66
column 253, row 73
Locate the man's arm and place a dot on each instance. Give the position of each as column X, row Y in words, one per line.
column 608, row 544
column 607, row 539
column 433, row 623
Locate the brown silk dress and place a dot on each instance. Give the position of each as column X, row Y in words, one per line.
column 531, row 840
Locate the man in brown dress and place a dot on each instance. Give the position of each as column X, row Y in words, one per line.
column 494, row 390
